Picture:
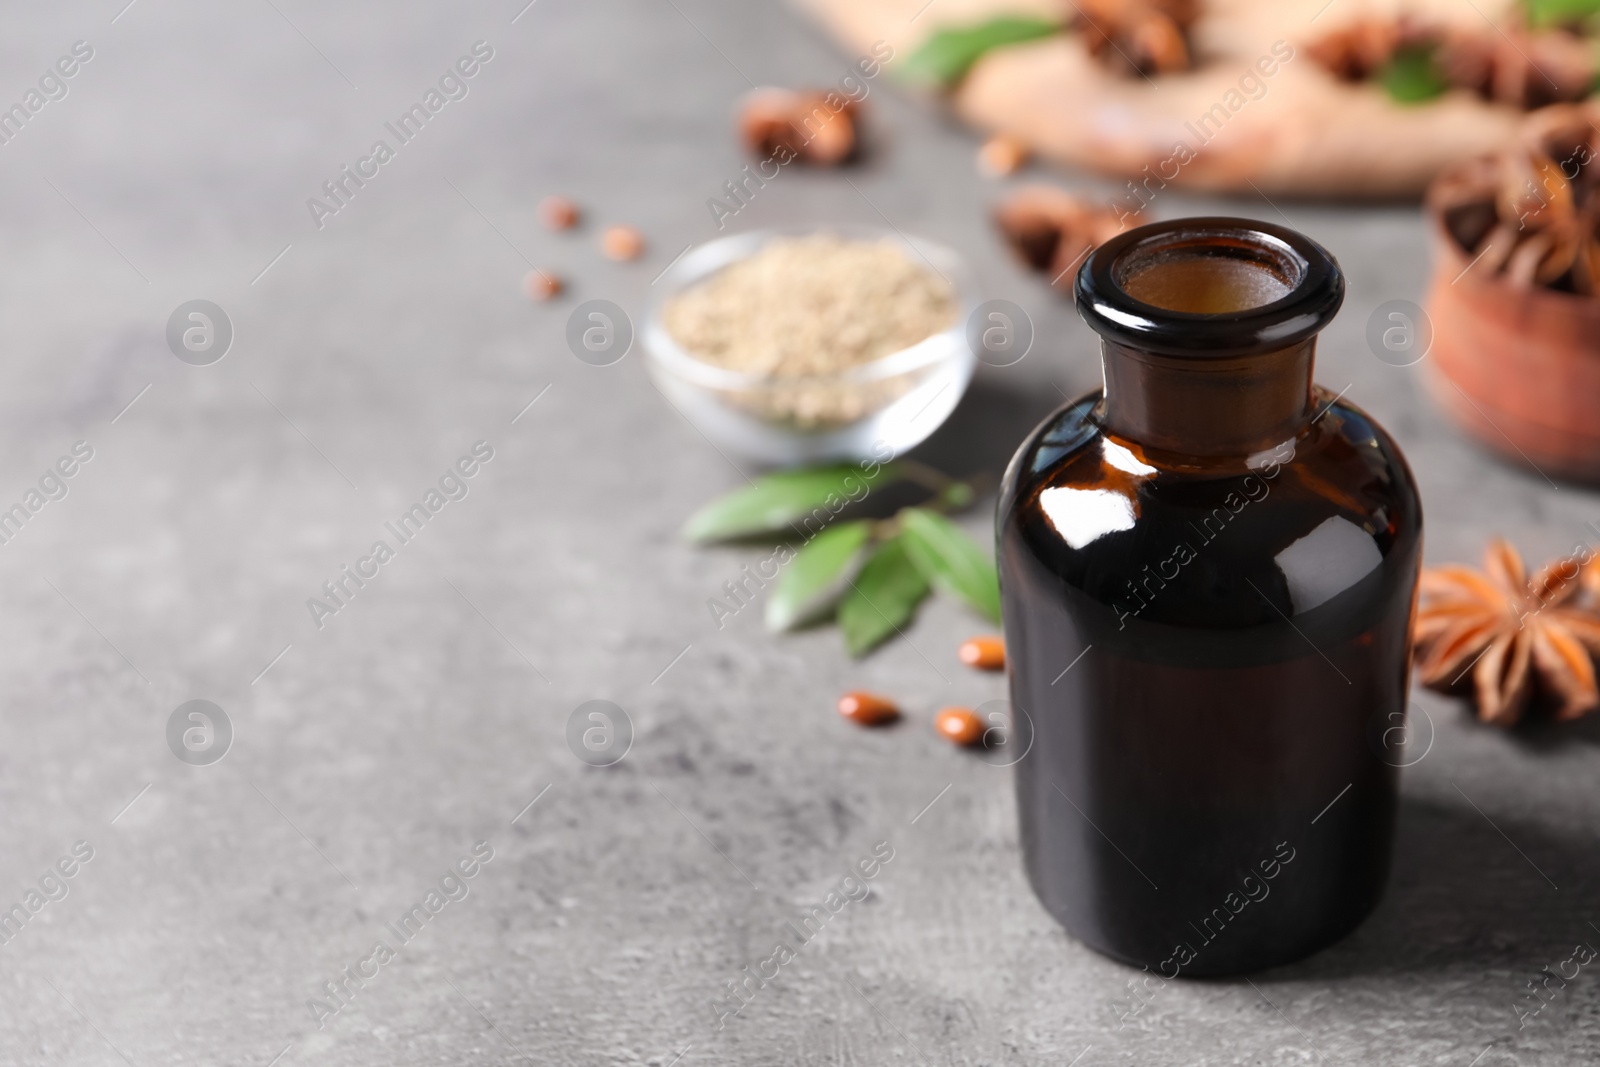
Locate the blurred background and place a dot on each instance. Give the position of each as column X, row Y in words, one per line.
column 371, row 749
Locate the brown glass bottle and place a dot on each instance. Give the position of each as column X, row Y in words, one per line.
column 1208, row 571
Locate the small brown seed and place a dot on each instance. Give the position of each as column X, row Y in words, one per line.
column 984, row 653
column 622, row 243
column 1001, row 155
column 959, row 726
column 867, row 709
column 541, row 285
column 558, row 213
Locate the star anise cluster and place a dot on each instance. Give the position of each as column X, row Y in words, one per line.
column 1515, row 640
column 1512, row 64
column 1137, row 36
column 1532, row 210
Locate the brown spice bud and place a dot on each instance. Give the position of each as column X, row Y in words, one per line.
column 1356, row 51
column 984, row 653
column 1136, row 36
column 1082, row 235
column 813, row 127
column 1001, row 155
column 1031, row 220
column 558, row 213
column 1155, row 45
column 541, row 285
column 959, row 726
column 1052, row 230
column 867, row 709
column 622, row 243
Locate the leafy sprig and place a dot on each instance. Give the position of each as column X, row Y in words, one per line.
column 948, row 53
column 870, row 575
column 1543, row 13
column 1412, row 75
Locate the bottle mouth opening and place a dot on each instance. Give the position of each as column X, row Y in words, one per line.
column 1209, row 286
column 1208, row 274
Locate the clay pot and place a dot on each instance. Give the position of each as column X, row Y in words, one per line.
column 1517, row 368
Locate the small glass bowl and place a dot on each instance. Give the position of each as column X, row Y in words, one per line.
column 902, row 397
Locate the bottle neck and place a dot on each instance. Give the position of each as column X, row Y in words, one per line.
column 1212, row 406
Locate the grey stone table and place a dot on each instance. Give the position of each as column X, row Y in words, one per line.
column 372, row 347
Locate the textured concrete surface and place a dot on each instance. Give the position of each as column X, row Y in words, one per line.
column 432, row 709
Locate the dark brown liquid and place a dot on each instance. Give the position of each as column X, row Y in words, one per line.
column 1209, row 789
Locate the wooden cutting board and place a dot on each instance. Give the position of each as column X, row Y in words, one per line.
column 1297, row 132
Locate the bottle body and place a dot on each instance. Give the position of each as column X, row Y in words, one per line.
column 1209, row 656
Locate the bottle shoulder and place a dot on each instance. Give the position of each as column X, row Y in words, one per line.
column 1223, row 541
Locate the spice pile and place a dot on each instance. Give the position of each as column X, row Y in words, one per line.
column 1531, row 211
column 1514, row 640
column 804, row 310
column 1527, row 64
column 1545, row 54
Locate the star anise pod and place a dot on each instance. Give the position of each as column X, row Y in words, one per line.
column 1138, row 36
column 812, row 126
column 1359, row 49
column 1532, row 210
column 1519, row 637
column 1052, row 230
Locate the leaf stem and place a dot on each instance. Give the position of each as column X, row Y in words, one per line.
column 935, row 481
column 958, row 495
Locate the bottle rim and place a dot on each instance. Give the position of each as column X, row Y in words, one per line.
column 1315, row 289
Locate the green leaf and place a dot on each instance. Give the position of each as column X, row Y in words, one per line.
column 882, row 599
column 1543, row 13
column 946, row 56
column 1411, row 76
column 774, row 501
column 811, row 582
column 951, row 560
